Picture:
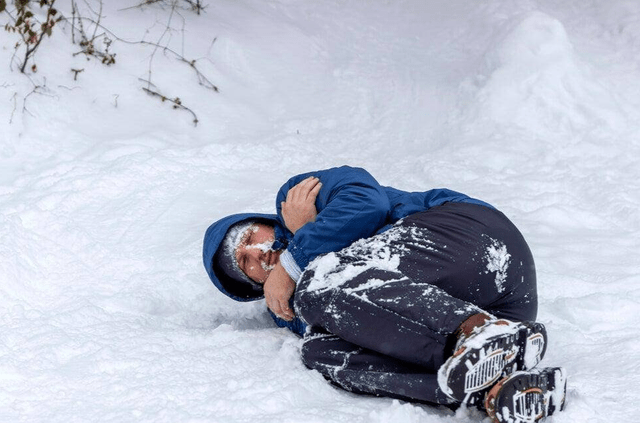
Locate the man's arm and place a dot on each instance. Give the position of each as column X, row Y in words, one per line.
column 350, row 204
column 298, row 210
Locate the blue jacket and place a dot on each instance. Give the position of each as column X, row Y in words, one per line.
column 351, row 205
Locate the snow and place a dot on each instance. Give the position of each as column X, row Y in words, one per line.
column 375, row 252
column 106, row 313
column 498, row 260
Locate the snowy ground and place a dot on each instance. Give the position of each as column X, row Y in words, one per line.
column 106, row 313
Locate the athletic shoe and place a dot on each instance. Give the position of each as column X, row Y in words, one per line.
column 527, row 396
column 494, row 350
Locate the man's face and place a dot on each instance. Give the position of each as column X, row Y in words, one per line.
column 254, row 254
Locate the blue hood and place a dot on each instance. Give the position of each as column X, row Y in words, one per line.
column 239, row 291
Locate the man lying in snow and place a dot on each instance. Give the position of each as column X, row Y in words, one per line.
column 423, row 296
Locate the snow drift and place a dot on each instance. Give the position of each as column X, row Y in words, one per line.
column 105, row 192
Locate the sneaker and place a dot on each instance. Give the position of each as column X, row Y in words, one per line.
column 494, row 350
column 527, row 396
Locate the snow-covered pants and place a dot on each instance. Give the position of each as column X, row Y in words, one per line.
column 383, row 311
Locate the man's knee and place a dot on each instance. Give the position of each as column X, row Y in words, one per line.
column 324, row 351
column 309, row 352
column 520, row 311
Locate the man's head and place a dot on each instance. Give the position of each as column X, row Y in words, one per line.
column 229, row 235
column 246, row 253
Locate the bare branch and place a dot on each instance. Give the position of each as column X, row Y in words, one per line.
column 15, row 105
column 30, row 30
column 97, row 22
column 177, row 103
column 76, row 72
column 202, row 79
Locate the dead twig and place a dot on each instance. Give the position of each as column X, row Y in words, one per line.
column 88, row 44
column 76, row 72
column 202, row 79
column 30, row 30
column 194, row 5
column 15, row 105
column 177, row 103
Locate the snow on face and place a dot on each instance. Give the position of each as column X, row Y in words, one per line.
column 235, row 236
column 104, row 193
column 265, row 246
column 254, row 254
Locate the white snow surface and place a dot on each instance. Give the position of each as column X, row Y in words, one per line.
column 106, row 312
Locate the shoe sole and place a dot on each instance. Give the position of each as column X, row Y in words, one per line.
column 494, row 352
column 527, row 397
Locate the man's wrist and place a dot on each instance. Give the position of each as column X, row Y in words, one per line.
column 290, row 265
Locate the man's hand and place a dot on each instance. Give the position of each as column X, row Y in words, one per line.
column 278, row 289
column 300, row 205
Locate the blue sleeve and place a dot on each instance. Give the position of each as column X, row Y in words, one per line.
column 408, row 203
column 351, row 205
column 296, row 326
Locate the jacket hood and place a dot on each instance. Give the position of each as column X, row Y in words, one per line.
column 239, row 291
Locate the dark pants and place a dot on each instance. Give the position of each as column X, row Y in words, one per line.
column 383, row 311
